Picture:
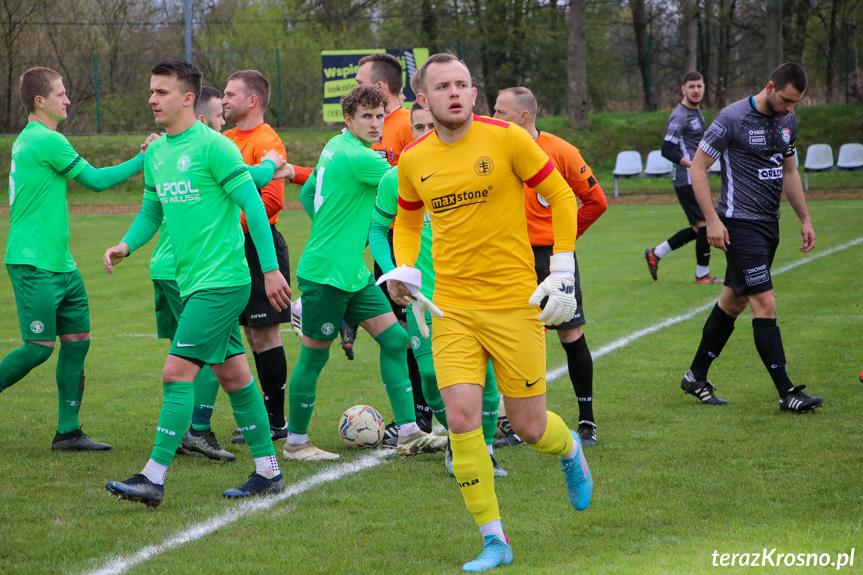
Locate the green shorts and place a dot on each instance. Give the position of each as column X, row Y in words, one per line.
column 207, row 331
column 49, row 303
column 324, row 307
column 169, row 307
column 419, row 344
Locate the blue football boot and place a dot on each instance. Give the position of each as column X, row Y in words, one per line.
column 494, row 553
column 579, row 482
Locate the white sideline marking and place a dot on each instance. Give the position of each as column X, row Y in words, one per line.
column 626, row 340
column 119, row 565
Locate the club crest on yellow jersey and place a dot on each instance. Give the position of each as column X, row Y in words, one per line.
column 483, row 166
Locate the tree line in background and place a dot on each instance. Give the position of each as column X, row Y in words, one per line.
column 576, row 55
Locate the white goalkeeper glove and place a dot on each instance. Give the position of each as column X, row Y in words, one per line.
column 559, row 287
column 412, row 279
column 419, row 305
column 297, row 317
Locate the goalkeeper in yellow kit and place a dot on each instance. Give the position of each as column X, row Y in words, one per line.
column 469, row 174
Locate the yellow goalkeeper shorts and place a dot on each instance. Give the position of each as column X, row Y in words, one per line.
column 513, row 337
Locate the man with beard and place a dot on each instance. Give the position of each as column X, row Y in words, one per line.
column 685, row 130
column 755, row 139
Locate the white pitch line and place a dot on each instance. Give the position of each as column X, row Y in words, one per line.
column 119, row 565
column 626, row 340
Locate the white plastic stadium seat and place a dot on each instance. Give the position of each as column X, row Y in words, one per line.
column 657, row 165
column 627, row 165
column 850, row 157
column 819, row 158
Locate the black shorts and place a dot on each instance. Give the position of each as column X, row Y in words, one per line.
column 686, row 197
column 260, row 311
column 541, row 255
column 399, row 310
column 750, row 255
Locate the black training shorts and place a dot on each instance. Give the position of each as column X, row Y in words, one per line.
column 686, row 197
column 260, row 311
column 749, row 255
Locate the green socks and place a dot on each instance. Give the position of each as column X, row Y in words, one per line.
column 301, row 391
column 70, row 383
column 430, row 388
column 19, row 362
column 173, row 420
column 206, row 387
column 490, row 406
column 251, row 417
column 394, row 372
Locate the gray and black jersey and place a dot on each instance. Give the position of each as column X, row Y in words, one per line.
column 752, row 148
column 685, row 130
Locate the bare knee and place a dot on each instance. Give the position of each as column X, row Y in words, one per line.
column 570, row 335
column 179, row 369
column 529, row 432
column 265, row 337
column 529, row 429
column 234, row 374
column 763, row 305
column 731, row 305
column 528, row 417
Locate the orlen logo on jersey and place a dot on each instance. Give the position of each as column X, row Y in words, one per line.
column 460, row 200
column 772, row 173
column 177, row 192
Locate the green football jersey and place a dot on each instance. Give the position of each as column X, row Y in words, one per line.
column 163, row 266
column 345, row 183
column 386, row 207
column 191, row 174
column 42, row 161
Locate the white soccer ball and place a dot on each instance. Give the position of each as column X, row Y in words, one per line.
column 361, row 426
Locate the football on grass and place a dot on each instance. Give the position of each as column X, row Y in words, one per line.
column 361, row 426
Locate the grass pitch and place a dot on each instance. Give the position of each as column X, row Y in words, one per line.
column 675, row 480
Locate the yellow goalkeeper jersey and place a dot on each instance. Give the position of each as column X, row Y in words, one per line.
column 474, row 193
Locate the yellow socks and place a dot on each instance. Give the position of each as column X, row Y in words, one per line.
column 557, row 439
column 471, row 465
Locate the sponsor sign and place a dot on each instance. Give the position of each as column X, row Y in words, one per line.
column 340, row 67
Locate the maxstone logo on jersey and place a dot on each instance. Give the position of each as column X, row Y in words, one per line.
column 177, row 192
column 460, row 200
